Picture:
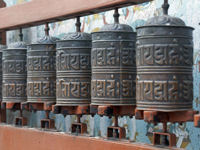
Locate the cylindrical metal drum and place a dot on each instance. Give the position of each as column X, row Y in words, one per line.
column 113, row 65
column 164, row 65
column 41, row 70
column 73, row 68
column 14, row 73
column 2, row 47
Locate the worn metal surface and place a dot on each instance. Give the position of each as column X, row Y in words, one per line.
column 164, row 65
column 73, row 67
column 113, row 65
column 14, row 73
column 41, row 70
column 1, row 51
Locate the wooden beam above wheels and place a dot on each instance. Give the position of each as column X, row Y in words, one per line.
column 38, row 12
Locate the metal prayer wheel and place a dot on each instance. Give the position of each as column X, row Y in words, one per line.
column 113, row 65
column 1, row 51
column 164, row 64
column 14, row 73
column 73, row 67
column 41, row 70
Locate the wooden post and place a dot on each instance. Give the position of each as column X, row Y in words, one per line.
column 2, row 34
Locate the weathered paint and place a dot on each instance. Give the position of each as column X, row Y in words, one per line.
column 137, row 130
column 33, row 139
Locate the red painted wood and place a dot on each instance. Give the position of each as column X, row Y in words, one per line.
column 12, row 138
column 38, row 12
column 2, row 34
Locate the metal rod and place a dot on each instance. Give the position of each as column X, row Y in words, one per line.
column 116, row 16
column 164, row 140
column 116, row 121
column 165, row 7
column 20, row 34
column 165, row 127
column 0, row 37
column 78, row 24
column 21, row 113
column 78, row 119
column 46, row 29
column 47, row 114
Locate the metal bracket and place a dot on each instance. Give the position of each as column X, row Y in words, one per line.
column 79, row 128
column 47, row 124
column 166, row 139
column 21, row 121
column 116, row 132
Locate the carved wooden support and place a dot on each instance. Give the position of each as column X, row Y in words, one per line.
column 173, row 117
column 112, row 110
column 33, row 106
column 71, row 110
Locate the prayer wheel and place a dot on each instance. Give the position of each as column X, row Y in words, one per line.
column 164, row 64
column 14, row 73
column 113, row 65
column 73, row 67
column 41, row 70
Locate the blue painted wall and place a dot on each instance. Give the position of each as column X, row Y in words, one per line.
column 189, row 10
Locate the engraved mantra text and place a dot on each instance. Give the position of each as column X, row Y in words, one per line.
column 111, row 88
column 112, row 56
column 38, row 63
column 73, row 62
column 14, row 90
column 73, row 89
column 164, row 54
column 41, row 88
column 164, row 90
column 15, row 66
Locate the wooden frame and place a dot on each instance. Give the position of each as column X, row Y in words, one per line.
column 2, row 34
column 32, row 139
column 38, row 12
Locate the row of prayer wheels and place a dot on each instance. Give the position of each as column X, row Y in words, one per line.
column 111, row 67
